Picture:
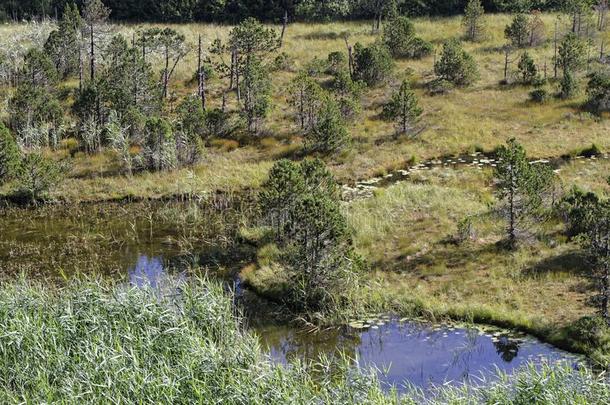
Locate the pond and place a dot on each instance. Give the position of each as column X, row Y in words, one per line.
column 420, row 353
column 149, row 243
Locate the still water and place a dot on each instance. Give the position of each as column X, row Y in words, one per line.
column 418, row 353
column 402, row 350
column 144, row 243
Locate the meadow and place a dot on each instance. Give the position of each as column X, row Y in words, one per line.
column 106, row 341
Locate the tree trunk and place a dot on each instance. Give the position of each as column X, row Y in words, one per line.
column 166, row 72
column 200, row 75
column 284, row 24
column 92, row 61
column 555, row 52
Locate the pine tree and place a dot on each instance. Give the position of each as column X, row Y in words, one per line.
column 527, row 69
column 456, row 65
column 518, row 31
column 520, row 189
column 589, row 216
column 10, row 155
column 403, row 108
column 473, row 20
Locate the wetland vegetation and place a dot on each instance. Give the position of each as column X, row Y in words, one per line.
column 299, row 204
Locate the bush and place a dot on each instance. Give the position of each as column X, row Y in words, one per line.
column 399, row 37
column 598, row 93
column 439, row 86
column 329, row 134
column 160, row 149
column 337, row 62
column 10, row 155
column 456, row 65
column 568, row 86
column 36, row 175
column 527, row 69
column 518, row 31
column 539, row 96
column 372, row 64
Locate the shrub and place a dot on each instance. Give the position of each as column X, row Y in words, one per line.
column 10, row 155
column 518, row 31
column 568, row 86
column 598, row 93
column 36, row 175
column 439, row 87
column 337, row 62
column 403, row 108
column 160, row 148
column 527, row 69
column 372, row 64
column 456, row 65
column 399, row 37
column 539, row 96
column 329, row 134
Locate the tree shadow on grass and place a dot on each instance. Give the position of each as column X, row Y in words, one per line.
column 440, row 255
column 573, row 262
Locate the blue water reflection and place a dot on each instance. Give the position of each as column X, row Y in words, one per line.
column 418, row 353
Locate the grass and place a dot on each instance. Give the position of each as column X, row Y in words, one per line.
column 407, row 231
column 91, row 342
column 481, row 116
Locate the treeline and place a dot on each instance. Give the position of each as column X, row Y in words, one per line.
column 264, row 10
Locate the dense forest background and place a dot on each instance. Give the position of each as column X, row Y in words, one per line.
column 265, row 10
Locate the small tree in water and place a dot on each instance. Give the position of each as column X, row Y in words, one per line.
column 301, row 203
column 520, row 189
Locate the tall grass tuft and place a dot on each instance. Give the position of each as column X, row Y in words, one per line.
column 90, row 342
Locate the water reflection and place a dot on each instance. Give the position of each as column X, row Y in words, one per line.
column 150, row 272
column 417, row 353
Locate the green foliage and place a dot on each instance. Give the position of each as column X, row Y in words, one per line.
column 589, row 217
column 256, row 90
column 372, row 64
column 539, row 96
column 160, row 148
column 32, row 111
column 10, row 155
column 572, row 53
column 347, row 93
column 598, row 93
column 126, row 81
column 93, row 342
column 568, row 86
column 300, row 202
column 456, row 65
column 473, row 20
column 306, row 96
column 403, row 108
column 63, row 44
column 527, row 69
column 337, row 62
column 399, row 37
column 518, row 31
column 521, row 189
column 38, row 70
column 191, row 129
column 192, row 116
column 329, row 134
column 36, row 175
